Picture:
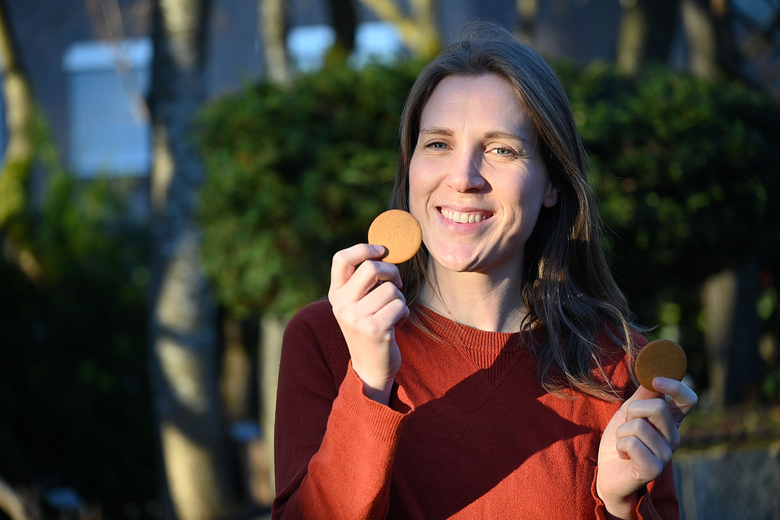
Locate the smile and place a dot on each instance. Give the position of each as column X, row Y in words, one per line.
column 466, row 217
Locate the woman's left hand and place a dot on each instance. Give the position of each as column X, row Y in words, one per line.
column 639, row 441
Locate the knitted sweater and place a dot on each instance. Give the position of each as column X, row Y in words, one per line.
column 469, row 432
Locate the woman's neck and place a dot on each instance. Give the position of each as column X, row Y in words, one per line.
column 485, row 302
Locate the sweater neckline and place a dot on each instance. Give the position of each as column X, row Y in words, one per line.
column 468, row 337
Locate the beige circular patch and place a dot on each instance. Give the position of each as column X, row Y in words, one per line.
column 660, row 358
column 399, row 232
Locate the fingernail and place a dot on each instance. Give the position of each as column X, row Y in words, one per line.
column 659, row 383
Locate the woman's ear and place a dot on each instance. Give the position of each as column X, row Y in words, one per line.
column 551, row 197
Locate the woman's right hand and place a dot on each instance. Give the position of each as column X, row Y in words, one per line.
column 367, row 309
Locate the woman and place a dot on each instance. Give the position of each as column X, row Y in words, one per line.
column 491, row 376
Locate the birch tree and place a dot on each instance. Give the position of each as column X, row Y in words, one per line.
column 183, row 317
column 729, row 298
column 19, row 153
column 527, row 14
column 272, row 29
column 645, row 33
column 418, row 29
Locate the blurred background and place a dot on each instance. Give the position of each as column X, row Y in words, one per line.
column 177, row 174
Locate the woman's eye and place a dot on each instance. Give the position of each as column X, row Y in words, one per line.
column 436, row 145
column 504, row 152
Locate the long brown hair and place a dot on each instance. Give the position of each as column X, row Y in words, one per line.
column 568, row 288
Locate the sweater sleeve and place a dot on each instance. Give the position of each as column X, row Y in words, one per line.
column 334, row 447
column 657, row 502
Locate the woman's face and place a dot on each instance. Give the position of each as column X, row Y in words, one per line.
column 476, row 181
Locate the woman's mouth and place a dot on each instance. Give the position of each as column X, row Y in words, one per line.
column 464, row 217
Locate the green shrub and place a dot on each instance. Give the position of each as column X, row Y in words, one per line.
column 75, row 403
column 686, row 172
column 293, row 176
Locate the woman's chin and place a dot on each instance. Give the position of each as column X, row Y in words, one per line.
column 459, row 263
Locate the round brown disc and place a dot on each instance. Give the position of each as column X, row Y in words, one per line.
column 399, row 232
column 660, row 358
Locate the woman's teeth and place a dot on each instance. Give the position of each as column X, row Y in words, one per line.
column 463, row 218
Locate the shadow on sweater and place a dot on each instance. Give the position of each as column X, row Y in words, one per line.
column 458, row 447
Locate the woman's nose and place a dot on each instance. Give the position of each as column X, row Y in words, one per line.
column 464, row 174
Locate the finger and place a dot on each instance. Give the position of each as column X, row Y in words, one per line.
column 657, row 412
column 380, row 297
column 642, row 393
column 367, row 277
column 346, row 260
column 653, row 416
column 651, row 438
column 394, row 312
column 683, row 399
column 647, row 465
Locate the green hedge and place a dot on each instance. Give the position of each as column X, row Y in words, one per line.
column 293, row 176
column 686, row 171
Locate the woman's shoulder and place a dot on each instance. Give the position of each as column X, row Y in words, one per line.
column 316, row 324
column 318, row 313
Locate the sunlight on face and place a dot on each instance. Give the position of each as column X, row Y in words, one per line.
column 476, row 182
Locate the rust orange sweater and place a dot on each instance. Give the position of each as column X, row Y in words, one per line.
column 469, row 432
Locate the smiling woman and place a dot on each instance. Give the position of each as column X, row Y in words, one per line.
column 509, row 391
column 477, row 186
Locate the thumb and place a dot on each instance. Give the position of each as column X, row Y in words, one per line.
column 642, row 393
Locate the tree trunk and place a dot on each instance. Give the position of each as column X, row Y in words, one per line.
column 236, row 376
column 734, row 363
column 419, row 31
column 19, row 152
column 183, row 328
column 272, row 28
column 711, row 45
column 271, row 332
column 700, row 38
column 645, row 33
column 729, row 56
column 11, row 503
column 343, row 18
column 527, row 13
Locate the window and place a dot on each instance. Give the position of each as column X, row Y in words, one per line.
column 109, row 126
column 378, row 41
column 309, row 44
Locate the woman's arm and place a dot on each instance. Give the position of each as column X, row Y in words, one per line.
column 335, row 435
column 637, row 445
column 334, row 447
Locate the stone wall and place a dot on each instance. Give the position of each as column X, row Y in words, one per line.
column 723, row 483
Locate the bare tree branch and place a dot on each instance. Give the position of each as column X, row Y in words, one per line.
column 11, row 504
column 272, row 28
column 418, row 31
column 19, row 152
column 527, row 13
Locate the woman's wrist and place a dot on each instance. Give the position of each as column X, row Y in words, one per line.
column 375, row 390
column 380, row 395
column 624, row 509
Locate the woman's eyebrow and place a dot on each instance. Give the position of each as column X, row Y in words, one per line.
column 495, row 134
column 437, row 130
column 499, row 134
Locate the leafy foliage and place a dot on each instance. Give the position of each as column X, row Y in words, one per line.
column 75, row 408
column 686, row 172
column 293, row 176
